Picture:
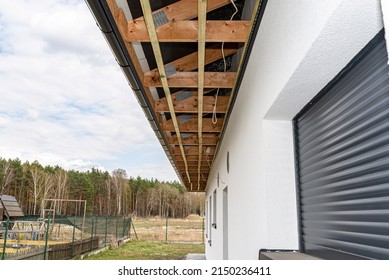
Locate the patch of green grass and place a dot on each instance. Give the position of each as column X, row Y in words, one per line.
column 146, row 250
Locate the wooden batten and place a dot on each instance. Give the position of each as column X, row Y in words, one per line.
column 192, row 126
column 187, row 31
column 186, row 9
column 158, row 57
column 190, row 62
column 190, row 80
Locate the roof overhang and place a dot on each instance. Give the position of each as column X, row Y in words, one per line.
column 184, row 61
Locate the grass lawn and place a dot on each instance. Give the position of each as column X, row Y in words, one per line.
column 148, row 250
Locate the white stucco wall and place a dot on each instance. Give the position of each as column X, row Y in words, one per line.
column 301, row 45
column 385, row 13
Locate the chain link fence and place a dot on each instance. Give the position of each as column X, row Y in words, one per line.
column 60, row 238
column 68, row 237
column 189, row 230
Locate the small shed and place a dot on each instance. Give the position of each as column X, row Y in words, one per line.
column 9, row 207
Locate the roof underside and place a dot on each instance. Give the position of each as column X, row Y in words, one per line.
column 183, row 59
column 11, row 206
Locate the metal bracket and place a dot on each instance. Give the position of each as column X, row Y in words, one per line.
column 184, row 95
column 160, row 18
column 170, row 70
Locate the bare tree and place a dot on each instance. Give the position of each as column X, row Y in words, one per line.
column 62, row 188
column 119, row 180
column 8, row 176
column 37, row 182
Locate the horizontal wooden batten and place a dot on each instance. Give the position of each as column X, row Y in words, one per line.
column 202, row 178
column 187, row 31
column 193, row 91
column 190, row 62
column 190, row 80
column 194, row 169
column 193, row 140
column 203, row 181
column 192, row 126
column 195, row 151
column 187, row 9
column 195, row 189
column 192, row 164
column 190, row 105
column 194, row 158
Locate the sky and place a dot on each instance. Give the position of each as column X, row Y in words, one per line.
column 63, row 98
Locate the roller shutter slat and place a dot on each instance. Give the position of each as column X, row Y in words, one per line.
column 343, row 164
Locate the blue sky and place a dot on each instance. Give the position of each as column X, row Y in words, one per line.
column 63, row 98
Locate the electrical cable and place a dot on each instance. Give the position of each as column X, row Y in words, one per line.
column 214, row 116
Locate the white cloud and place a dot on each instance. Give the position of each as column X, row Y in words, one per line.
column 63, row 98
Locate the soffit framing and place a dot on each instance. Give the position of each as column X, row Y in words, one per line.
column 185, row 56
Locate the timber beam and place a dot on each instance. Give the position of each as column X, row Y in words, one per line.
column 186, row 9
column 204, row 160
column 190, row 80
column 190, row 105
column 192, row 126
column 187, row 31
column 193, row 140
column 190, row 62
column 195, row 151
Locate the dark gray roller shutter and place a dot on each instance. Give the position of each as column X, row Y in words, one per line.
column 342, row 143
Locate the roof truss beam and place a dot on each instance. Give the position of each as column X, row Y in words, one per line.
column 202, row 17
column 187, row 31
column 193, row 140
column 158, row 57
column 194, row 159
column 190, row 80
column 190, row 62
column 190, row 105
column 186, row 9
column 195, row 151
column 192, row 126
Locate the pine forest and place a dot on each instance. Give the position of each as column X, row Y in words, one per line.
column 106, row 194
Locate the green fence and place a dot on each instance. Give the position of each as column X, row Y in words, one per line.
column 60, row 237
column 189, row 230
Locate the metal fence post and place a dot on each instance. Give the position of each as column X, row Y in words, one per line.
column 166, row 230
column 129, row 227
column 203, row 227
column 117, row 224
column 124, row 227
column 106, row 228
column 45, row 255
column 74, row 231
column 96, row 225
column 5, row 239
column 91, row 239
column 133, row 226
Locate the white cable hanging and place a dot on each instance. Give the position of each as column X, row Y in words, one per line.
column 214, row 117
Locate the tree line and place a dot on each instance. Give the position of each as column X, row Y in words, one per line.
column 106, row 193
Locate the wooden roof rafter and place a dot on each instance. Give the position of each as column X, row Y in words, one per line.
column 147, row 13
column 210, row 140
column 192, row 126
column 186, row 9
column 190, row 61
column 190, row 80
column 202, row 18
column 190, row 105
column 187, row 30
